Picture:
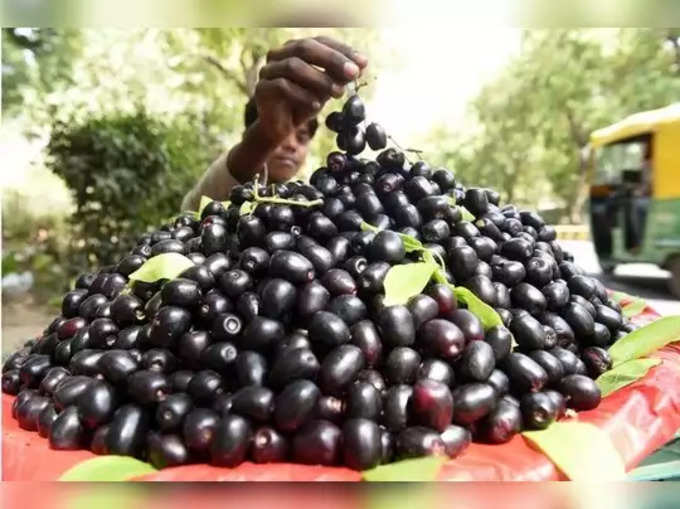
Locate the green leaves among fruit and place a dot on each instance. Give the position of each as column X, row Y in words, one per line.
column 404, row 281
column 411, row 244
column 624, row 374
column 634, row 308
column 419, row 469
column 247, row 207
column 366, row 227
column 162, row 266
column 107, row 468
column 202, row 204
column 483, row 311
column 646, row 340
column 619, row 296
column 466, row 215
column 582, row 451
column 401, row 286
column 205, row 200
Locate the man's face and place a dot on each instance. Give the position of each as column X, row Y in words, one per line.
column 288, row 158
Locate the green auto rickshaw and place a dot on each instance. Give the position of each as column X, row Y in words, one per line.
column 635, row 191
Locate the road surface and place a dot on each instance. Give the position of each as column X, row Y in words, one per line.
column 642, row 280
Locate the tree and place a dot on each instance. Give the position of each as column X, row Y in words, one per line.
column 127, row 172
column 34, row 62
column 535, row 119
column 587, row 80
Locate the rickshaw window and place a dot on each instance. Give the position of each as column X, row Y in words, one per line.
column 630, row 154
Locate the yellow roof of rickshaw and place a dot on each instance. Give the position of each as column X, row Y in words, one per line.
column 636, row 124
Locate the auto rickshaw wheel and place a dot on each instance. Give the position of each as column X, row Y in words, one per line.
column 674, row 283
column 608, row 268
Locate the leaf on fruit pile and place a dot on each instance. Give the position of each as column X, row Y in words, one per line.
column 410, row 243
column 645, row 340
column 582, row 451
column 107, row 468
column 205, row 200
column 466, row 214
column 418, row 469
column 619, row 296
column 624, row 374
column 247, row 207
column 477, row 306
column 404, row 281
column 634, row 308
column 162, row 266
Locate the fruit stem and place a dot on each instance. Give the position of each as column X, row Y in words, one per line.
column 265, row 177
column 281, row 201
column 434, row 257
column 417, row 152
column 358, row 85
column 284, row 201
column 391, row 138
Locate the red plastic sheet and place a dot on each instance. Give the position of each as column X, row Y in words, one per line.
column 638, row 418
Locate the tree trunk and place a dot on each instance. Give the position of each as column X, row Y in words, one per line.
column 672, row 37
column 510, row 182
column 580, row 139
column 252, row 75
column 580, row 194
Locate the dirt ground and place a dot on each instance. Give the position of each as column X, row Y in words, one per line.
column 22, row 320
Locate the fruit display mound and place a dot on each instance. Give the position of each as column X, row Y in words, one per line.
column 381, row 313
column 638, row 419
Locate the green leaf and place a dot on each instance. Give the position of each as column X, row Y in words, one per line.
column 419, row 469
column 624, row 374
column 582, row 451
column 107, row 468
column 108, row 496
column 205, row 201
column 466, row 214
column 619, row 296
column 366, row 227
column 646, row 340
column 481, row 309
column 634, row 308
column 247, row 207
column 410, row 243
column 407, row 496
column 404, row 281
column 162, row 266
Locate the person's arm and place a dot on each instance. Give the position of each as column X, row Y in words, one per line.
column 238, row 165
column 216, row 183
column 297, row 80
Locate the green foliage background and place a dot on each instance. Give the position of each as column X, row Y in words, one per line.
column 533, row 121
column 126, row 172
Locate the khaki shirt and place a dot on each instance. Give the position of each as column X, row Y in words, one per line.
column 216, row 183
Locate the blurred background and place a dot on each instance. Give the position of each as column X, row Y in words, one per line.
column 104, row 130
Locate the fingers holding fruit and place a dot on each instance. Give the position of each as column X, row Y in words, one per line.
column 341, row 62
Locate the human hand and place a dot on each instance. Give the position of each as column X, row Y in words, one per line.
column 299, row 78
